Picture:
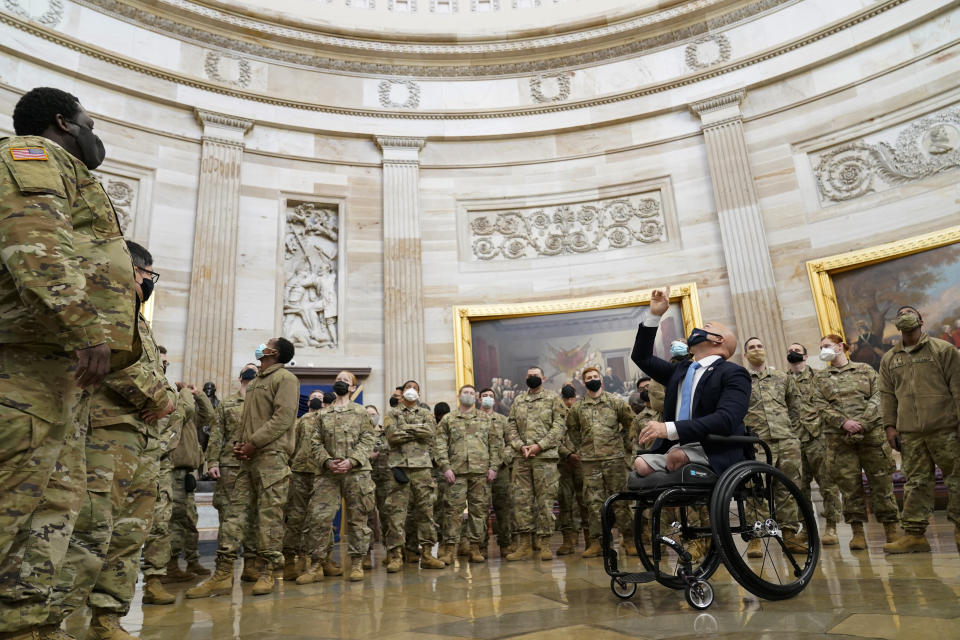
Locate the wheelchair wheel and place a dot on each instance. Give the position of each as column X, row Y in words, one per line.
column 670, row 565
column 623, row 590
column 699, row 594
column 755, row 509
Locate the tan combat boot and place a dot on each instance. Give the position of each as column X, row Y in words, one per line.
column 593, row 550
column 859, row 541
column 356, row 568
column 331, row 568
column 446, row 553
column 524, row 549
column 569, row 544
column 220, row 582
column 628, row 545
column 697, row 550
column 251, row 569
column 463, row 549
column 908, row 543
column 174, row 574
column 794, row 542
column 197, row 569
column 510, row 548
column 545, row 553
column 105, row 625
column 368, row 560
column 311, row 575
column 829, row 537
column 890, row 531
column 755, row 548
column 291, row 570
column 411, row 557
column 154, row 593
column 476, row 556
column 46, row 632
column 264, row 584
column 427, row 561
column 394, row 560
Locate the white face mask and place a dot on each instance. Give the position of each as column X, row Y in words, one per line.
column 827, row 354
column 467, row 399
column 411, row 395
column 486, row 402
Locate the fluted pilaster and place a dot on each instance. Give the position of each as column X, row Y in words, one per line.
column 404, row 351
column 750, row 270
column 210, row 315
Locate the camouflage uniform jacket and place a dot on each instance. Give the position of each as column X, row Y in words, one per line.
column 632, row 442
column 467, row 442
column 775, row 405
column 224, row 431
column 920, row 386
column 302, row 460
column 411, row 432
column 537, row 419
column 598, row 426
column 506, row 452
column 126, row 392
column 170, row 427
column 344, row 431
column 850, row 392
column 188, row 454
column 270, row 410
column 810, row 427
column 382, row 449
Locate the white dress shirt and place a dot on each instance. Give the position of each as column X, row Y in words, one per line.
column 705, row 363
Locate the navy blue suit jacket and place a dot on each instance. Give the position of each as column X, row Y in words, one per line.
column 720, row 402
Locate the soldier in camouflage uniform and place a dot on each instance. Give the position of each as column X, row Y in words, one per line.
column 410, row 431
column 813, row 445
column 67, row 294
column 849, row 406
column 267, row 438
column 776, row 415
column 501, row 489
column 342, row 443
column 299, row 539
column 571, row 508
column 535, row 429
column 224, row 467
column 468, row 453
column 920, row 405
column 378, row 460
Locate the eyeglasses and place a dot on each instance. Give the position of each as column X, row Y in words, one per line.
column 153, row 274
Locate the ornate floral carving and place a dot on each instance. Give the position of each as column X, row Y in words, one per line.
column 923, row 148
column 123, row 194
column 413, row 94
column 694, row 52
column 603, row 225
column 212, row 68
column 311, row 247
column 51, row 17
column 563, row 87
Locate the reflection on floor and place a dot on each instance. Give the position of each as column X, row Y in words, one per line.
column 862, row 594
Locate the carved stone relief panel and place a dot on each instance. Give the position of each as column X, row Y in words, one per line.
column 311, row 258
column 599, row 225
column 399, row 94
column 886, row 159
column 123, row 192
column 707, row 51
column 223, row 67
column 46, row 12
column 552, row 87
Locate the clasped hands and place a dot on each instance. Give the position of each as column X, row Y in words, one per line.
column 852, row 427
column 451, row 477
column 244, row 450
column 530, row 450
column 340, row 465
column 652, row 431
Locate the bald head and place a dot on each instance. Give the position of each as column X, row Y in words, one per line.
column 722, row 343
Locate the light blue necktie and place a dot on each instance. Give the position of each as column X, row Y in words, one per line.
column 686, row 391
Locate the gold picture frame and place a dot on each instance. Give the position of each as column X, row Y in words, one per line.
column 464, row 315
column 822, row 270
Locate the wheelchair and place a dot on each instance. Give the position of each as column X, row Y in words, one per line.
column 743, row 530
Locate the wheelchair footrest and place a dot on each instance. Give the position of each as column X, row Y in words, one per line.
column 638, row 578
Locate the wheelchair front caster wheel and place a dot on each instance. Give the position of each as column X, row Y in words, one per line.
column 623, row 590
column 699, row 595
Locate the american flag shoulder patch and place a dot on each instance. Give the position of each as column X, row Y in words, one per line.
column 28, row 153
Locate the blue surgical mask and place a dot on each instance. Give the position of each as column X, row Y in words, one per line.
column 678, row 349
column 486, row 402
column 258, row 354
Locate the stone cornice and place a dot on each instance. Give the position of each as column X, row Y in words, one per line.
column 394, row 142
column 400, row 151
column 723, row 101
column 205, row 117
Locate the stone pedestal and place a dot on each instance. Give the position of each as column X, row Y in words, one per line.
column 210, row 315
column 750, row 271
column 404, row 352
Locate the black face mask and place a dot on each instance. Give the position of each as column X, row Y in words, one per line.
column 90, row 146
column 316, row 403
column 645, row 396
column 700, row 335
column 147, row 287
column 593, row 385
column 248, row 374
column 793, row 357
column 534, row 381
column 341, row 388
column 394, row 401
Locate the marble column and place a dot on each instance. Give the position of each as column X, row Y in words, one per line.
column 210, row 314
column 749, row 268
column 404, row 351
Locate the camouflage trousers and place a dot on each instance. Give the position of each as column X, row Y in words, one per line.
column 601, row 478
column 102, row 563
column 815, row 467
column 572, row 513
column 221, row 501
column 787, row 457
column 502, row 498
column 184, row 536
column 847, row 458
column 470, row 491
column 439, row 513
column 920, row 452
column 156, row 550
column 380, row 477
column 417, row 496
column 42, row 483
column 535, row 485
column 301, row 535
column 264, row 481
column 356, row 491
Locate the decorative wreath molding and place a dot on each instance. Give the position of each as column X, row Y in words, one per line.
column 563, row 84
column 413, row 94
column 692, row 52
column 51, row 17
column 211, row 67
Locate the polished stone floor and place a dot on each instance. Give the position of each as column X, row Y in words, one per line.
column 854, row 595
